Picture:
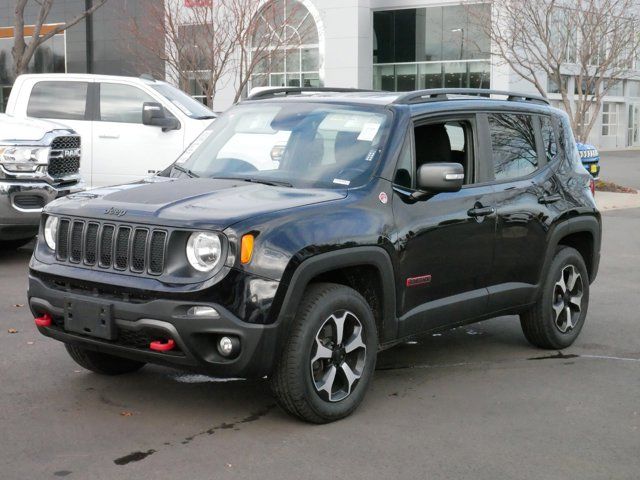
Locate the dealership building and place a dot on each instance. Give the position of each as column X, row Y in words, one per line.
column 99, row 44
column 383, row 44
column 415, row 44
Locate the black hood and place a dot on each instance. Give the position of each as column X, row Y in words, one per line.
column 189, row 203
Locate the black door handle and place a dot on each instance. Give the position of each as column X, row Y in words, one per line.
column 546, row 199
column 481, row 211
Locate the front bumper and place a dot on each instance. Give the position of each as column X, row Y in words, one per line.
column 139, row 322
column 21, row 204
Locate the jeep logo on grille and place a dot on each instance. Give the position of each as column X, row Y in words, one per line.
column 71, row 152
column 115, row 211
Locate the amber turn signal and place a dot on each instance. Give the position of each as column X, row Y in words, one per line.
column 246, row 248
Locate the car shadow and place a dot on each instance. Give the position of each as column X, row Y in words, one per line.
column 163, row 392
column 18, row 255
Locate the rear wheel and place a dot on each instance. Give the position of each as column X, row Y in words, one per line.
column 102, row 363
column 559, row 315
column 329, row 358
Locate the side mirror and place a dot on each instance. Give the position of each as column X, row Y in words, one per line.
column 153, row 114
column 440, row 177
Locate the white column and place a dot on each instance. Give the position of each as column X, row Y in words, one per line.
column 348, row 42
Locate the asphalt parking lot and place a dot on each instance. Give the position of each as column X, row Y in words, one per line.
column 474, row 403
column 621, row 167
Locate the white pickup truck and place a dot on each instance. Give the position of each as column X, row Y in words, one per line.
column 39, row 162
column 131, row 127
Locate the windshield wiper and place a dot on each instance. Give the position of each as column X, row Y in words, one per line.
column 186, row 170
column 205, row 117
column 273, row 183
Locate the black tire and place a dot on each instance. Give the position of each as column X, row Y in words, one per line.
column 6, row 245
column 294, row 380
column 541, row 324
column 102, row 363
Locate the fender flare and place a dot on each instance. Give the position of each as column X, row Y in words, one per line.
column 586, row 223
column 347, row 257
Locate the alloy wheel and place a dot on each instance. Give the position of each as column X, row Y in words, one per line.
column 567, row 299
column 338, row 356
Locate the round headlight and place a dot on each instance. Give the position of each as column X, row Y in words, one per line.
column 204, row 250
column 51, row 232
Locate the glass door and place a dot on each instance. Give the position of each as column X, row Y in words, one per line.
column 634, row 125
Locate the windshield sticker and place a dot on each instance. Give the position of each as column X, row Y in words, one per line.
column 339, row 181
column 193, row 147
column 368, row 132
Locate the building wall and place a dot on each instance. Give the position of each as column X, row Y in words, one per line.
column 108, row 48
column 346, row 44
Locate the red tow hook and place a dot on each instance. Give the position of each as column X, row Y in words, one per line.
column 159, row 346
column 44, row 320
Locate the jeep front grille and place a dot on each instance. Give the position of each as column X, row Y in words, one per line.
column 64, row 159
column 120, row 247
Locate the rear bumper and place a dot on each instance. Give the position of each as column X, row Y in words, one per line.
column 21, row 204
column 139, row 323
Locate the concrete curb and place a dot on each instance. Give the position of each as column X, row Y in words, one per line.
column 615, row 201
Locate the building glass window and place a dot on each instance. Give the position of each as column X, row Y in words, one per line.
column 553, row 87
column 633, row 88
column 431, row 47
column 617, row 88
column 609, row 119
column 291, row 55
column 49, row 57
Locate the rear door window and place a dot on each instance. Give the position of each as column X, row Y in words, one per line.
column 58, row 100
column 513, row 140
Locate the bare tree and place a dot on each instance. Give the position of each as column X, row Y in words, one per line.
column 24, row 50
column 207, row 43
column 196, row 43
column 264, row 35
column 595, row 41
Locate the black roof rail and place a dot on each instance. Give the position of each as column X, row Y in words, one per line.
column 285, row 91
column 440, row 94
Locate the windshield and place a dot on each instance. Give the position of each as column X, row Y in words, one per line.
column 301, row 144
column 187, row 105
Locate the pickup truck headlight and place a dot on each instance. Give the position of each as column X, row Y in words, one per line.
column 204, row 250
column 51, row 232
column 23, row 159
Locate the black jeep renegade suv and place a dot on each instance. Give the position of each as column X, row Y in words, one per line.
column 304, row 231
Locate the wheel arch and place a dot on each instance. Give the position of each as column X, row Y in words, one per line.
column 367, row 270
column 581, row 233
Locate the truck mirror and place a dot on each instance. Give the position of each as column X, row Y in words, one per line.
column 153, row 114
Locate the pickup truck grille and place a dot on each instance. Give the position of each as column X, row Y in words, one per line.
column 64, row 159
column 119, row 247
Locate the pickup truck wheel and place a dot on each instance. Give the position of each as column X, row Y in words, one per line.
column 102, row 363
column 555, row 321
column 328, row 360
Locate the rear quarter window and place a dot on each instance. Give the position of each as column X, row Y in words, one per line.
column 513, row 141
column 58, row 100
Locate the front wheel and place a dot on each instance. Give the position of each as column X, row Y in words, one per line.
column 555, row 321
column 102, row 363
column 328, row 360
